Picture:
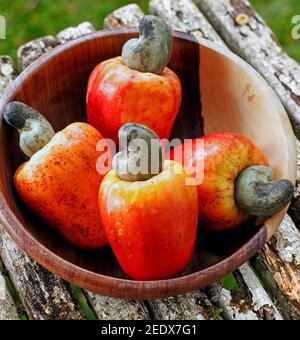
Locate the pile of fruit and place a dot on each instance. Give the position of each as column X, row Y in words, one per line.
column 149, row 218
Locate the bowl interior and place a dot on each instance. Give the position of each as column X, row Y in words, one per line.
column 220, row 93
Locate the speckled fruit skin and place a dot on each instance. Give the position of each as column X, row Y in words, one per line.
column 60, row 183
column 117, row 95
column 151, row 225
column 225, row 156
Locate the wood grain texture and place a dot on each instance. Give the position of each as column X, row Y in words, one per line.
column 278, row 265
column 256, row 44
column 8, row 309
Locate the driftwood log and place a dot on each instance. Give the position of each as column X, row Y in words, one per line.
column 45, row 296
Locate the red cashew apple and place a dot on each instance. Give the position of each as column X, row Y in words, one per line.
column 237, row 181
column 136, row 87
column 150, row 219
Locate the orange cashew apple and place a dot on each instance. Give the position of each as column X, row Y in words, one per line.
column 60, row 181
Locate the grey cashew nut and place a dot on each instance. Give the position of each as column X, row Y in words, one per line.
column 153, row 50
column 141, row 155
column 258, row 195
column 34, row 129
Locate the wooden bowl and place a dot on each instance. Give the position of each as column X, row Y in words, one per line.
column 220, row 93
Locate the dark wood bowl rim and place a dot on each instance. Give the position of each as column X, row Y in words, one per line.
column 106, row 285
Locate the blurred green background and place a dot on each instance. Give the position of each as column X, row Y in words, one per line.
column 30, row 19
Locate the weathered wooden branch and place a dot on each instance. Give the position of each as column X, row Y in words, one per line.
column 127, row 16
column 43, row 295
column 34, row 49
column 278, row 265
column 7, row 72
column 8, row 310
column 192, row 306
column 246, row 33
column 183, row 15
column 107, row 308
column 71, row 33
column 249, row 302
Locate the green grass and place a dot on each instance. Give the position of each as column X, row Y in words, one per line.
column 30, row 19
column 278, row 14
column 83, row 303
